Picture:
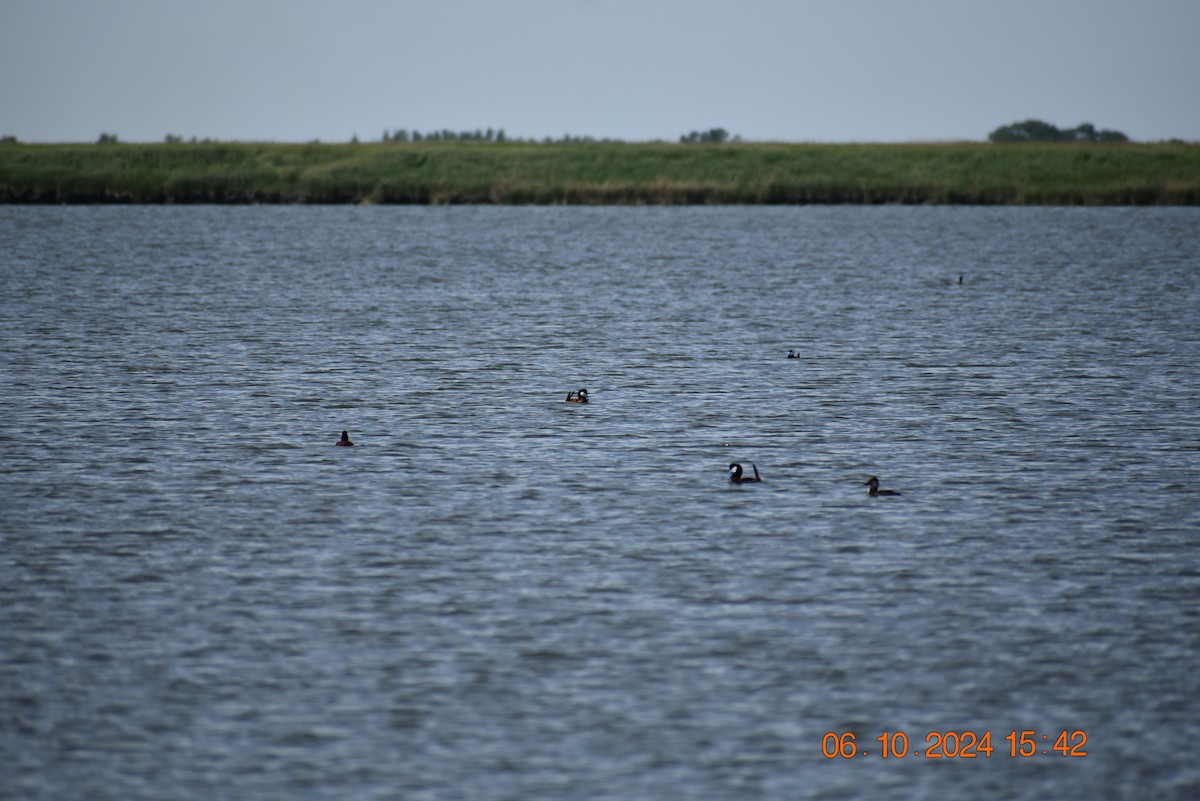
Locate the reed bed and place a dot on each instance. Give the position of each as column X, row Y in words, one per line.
column 602, row 173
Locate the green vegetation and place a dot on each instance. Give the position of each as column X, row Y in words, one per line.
column 711, row 136
column 600, row 173
column 1038, row 131
column 402, row 135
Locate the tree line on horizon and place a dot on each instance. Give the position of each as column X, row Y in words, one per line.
column 1039, row 131
column 403, row 135
column 496, row 135
column 1031, row 130
column 711, row 136
column 714, row 136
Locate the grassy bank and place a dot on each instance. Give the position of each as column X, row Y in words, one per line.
column 601, row 173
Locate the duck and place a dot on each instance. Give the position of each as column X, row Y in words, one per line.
column 736, row 476
column 874, row 491
column 345, row 440
column 792, row 354
column 578, row 396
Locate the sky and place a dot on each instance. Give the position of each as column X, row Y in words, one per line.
column 764, row 70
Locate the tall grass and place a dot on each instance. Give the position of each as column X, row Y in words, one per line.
column 601, row 173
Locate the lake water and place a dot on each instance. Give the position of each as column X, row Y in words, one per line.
column 499, row 595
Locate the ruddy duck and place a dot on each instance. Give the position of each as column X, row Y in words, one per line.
column 792, row 354
column 345, row 440
column 736, row 477
column 579, row 396
column 875, row 491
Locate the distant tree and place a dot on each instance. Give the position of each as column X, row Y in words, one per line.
column 1086, row 132
column 173, row 139
column 107, row 139
column 446, row 135
column 712, row 135
column 1038, row 131
column 1106, row 135
column 1027, row 131
column 8, row 140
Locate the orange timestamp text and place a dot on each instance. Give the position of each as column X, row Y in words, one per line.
column 1022, row 743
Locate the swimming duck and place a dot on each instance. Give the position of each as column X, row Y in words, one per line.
column 579, row 396
column 736, row 477
column 792, row 354
column 875, row 491
column 345, row 440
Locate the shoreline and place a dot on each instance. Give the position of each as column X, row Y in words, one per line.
column 607, row 173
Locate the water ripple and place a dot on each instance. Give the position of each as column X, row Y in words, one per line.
column 497, row 595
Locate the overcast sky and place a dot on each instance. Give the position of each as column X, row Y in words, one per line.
column 784, row 70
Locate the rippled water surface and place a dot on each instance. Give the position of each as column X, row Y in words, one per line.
column 498, row 595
